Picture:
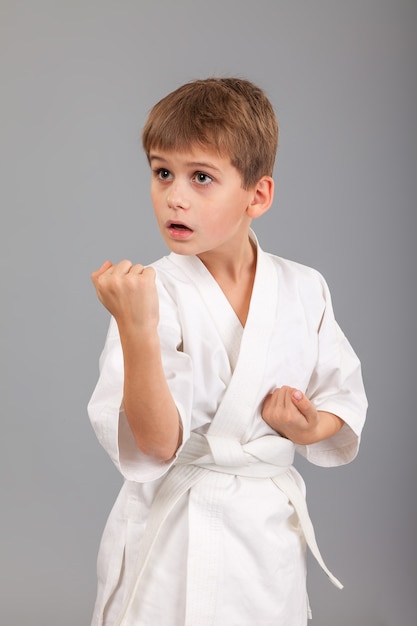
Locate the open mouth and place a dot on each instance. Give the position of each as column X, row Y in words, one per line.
column 179, row 231
column 177, row 226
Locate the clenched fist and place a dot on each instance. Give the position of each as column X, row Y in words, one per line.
column 292, row 415
column 129, row 293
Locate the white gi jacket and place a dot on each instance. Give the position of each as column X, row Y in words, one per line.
column 216, row 537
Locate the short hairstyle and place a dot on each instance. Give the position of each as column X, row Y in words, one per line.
column 231, row 116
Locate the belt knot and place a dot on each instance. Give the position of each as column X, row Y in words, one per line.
column 226, row 452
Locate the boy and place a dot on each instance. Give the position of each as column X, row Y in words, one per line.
column 220, row 362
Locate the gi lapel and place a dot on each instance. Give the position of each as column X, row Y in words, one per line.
column 239, row 402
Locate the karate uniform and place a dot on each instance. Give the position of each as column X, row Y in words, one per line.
column 217, row 535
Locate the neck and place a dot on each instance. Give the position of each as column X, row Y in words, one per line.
column 233, row 265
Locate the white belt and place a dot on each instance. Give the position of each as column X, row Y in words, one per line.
column 267, row 457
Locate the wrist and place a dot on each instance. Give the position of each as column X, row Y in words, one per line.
column 138, row 333
column 329, row 424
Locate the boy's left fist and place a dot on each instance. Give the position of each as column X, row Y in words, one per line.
column 291, row 414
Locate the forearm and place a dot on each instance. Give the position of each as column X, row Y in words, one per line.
column 328, row 425
column 149, row 406
column 325, row 426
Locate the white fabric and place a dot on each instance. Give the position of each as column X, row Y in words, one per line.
column 230, row 550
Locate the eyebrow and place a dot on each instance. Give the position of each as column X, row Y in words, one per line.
column 197, row 164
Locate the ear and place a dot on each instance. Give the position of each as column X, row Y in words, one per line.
column 263, row 195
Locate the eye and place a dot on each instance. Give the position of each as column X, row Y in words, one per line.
column 162, row 173
column 202, row 179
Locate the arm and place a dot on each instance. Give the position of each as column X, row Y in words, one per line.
column 292, row 415
column 129, row 293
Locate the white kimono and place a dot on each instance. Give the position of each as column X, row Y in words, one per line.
column 217, row 536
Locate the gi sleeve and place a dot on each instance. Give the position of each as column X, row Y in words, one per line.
column 105, row 408
column 336, row 386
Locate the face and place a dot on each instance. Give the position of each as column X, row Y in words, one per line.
column 199, row 202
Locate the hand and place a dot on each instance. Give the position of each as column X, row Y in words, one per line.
column 129, row 293
column 292, row 415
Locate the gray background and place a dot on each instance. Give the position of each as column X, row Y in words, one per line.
column 77, row 80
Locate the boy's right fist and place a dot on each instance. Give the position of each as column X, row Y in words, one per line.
column 129, row 293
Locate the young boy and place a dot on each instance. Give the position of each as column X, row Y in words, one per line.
column 221, row 360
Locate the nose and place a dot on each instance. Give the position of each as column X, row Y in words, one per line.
column 177, row 197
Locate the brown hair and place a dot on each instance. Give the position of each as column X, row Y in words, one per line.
column 229, row 115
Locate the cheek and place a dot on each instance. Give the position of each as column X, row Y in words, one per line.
column 156, row 200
